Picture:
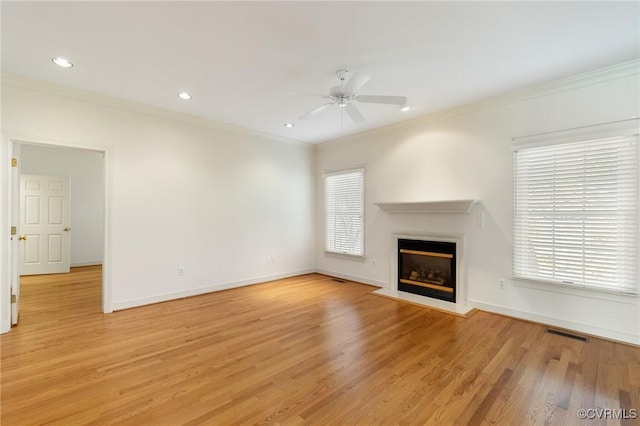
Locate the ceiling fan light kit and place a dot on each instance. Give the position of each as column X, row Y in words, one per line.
column 345, row 96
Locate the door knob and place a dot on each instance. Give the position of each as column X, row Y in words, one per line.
column 67, row 229
column 22, row 238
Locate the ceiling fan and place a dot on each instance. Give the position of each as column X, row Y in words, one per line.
column 344, row 95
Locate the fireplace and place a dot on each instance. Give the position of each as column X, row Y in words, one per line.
column 430, row 271
column 427, row 268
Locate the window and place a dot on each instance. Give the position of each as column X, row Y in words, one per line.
column 344, row 212
column 576, row 211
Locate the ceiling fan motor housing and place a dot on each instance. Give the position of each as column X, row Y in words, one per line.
column 338, row 94
column 343, row 98
column 344, row 95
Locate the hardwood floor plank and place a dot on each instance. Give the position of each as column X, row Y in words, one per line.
column 303, row 350
column 488, row 401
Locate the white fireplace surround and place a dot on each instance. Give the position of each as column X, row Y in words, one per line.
column 458, row 308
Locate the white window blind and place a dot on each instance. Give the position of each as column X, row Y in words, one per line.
column 576, row 213
column 344, row 212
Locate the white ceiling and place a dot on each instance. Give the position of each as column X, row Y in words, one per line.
column 258, row 65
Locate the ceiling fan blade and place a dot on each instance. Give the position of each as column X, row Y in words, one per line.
column 380, row 99
column 315, row 111
column 354, row 113
column 355, row 83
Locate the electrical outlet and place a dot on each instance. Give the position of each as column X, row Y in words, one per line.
column 181, row 270
column 373, row 263
column 501, row 283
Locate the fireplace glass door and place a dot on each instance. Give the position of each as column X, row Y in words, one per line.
column 427, row 268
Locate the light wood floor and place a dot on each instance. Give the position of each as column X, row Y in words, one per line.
column 305, row 350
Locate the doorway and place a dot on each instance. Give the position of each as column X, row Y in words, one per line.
column 87, row 228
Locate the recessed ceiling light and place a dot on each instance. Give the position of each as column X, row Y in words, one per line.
column 184, row 95
column 289, row 125
column 62, row 62
column 405, row 108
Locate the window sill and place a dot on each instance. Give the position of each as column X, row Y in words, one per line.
column 594, row 293
column 345, row 256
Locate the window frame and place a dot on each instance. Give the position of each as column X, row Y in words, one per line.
column 622, row 128
column 327, row 250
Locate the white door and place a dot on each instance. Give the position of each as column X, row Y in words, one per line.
column 44, row 224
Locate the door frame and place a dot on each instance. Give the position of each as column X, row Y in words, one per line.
column 13, row 219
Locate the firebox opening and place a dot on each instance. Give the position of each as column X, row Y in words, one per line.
column 427, row 268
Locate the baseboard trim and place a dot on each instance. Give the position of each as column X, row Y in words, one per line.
column 135, row 303
column 591, row 330
column 351, row 278
column 81, row 264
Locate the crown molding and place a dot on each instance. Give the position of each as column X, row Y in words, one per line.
column 47, row 88
column 611, row 73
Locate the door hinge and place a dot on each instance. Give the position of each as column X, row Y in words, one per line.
column 14, row 299
column 14, row 162
column 14, row 230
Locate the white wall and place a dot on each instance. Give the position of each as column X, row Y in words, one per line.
column 85, row 169
column 464, row 154
column 182, row 192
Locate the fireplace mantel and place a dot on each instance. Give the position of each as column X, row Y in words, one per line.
column 449, row 206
